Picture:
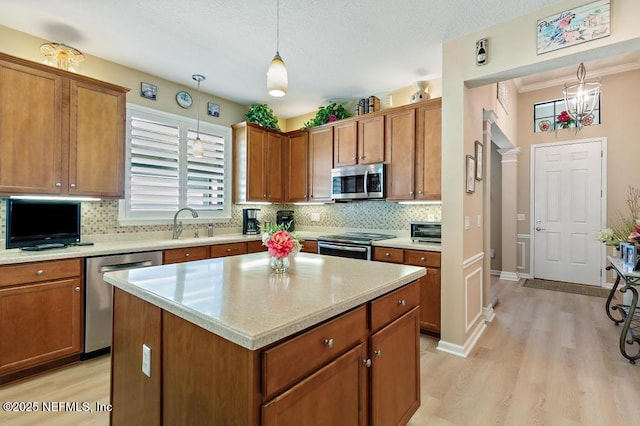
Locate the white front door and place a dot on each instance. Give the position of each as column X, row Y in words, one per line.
column 567, row 212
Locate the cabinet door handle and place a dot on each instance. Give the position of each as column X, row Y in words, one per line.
column 58, row 184
column 228, row 250
column 328, row 343
column 378, row 353
column 77, row 289
column 402, row 302
column 187, row 254
column 73, row 185
column 39, row 272
column 367, row 362
column 422, row 258
column 387, row 254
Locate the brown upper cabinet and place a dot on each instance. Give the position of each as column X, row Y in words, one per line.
column 297, row 166
column 413, row 151
column 320, row 163
column 258, row 154
column 359, row 141
column 60, row 133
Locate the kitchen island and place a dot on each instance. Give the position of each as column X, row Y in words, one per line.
column 331, row 341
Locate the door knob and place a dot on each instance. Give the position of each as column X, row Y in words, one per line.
column 540, row 229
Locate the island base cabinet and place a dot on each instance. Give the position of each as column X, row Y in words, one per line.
column 395, row 371
column 334, row 395
column 135, row 395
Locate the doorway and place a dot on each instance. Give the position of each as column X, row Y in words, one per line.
column 568, row 199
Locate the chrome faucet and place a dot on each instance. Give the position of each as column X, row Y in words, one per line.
column 177, row 227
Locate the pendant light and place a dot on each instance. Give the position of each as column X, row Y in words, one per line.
column 198, row 147
column 581, row 98
column 277, row 80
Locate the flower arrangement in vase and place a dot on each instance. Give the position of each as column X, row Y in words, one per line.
column 280, row 244
column 626, row 226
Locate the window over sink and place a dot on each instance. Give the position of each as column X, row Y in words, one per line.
column 162, row 175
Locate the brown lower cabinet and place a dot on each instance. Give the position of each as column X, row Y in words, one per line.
column 430, row 303
column 41, row 311
column 361, row 367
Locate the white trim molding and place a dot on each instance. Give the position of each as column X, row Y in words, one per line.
column 488, row 313
column 469, row 322
column 473, row 259
column 509, row 276
column 465, row 350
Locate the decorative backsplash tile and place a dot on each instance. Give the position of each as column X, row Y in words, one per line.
column 101, row 217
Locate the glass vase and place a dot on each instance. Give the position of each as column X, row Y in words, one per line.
column 279, row 265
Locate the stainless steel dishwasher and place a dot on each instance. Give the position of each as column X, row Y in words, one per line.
column 98, row 305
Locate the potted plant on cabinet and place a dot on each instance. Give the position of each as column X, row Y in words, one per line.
column 262, row 115
column 331, row 112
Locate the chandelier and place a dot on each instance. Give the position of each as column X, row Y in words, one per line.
column 62, row 56
column 582, row 97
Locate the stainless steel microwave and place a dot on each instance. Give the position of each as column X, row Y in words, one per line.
column 358, row 182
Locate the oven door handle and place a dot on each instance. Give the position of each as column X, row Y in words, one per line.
column 344, row 248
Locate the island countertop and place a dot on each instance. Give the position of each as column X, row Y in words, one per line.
column 240, row 299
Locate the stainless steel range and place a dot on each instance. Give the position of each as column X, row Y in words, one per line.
column 356, row 245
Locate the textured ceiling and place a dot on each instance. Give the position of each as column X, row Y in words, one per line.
column 333, row 49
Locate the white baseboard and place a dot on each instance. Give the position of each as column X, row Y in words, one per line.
column 495, row 273
column 509, row 276
column 463, row 351
column 488, row 313
column 526, row 276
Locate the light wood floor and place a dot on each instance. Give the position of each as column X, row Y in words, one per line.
column 548, row 358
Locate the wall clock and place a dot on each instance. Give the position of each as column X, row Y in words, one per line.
column 184, row 99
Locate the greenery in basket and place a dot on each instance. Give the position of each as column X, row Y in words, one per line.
column 331, row 112
column 262, row 115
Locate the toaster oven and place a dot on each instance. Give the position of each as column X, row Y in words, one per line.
column 426, row 232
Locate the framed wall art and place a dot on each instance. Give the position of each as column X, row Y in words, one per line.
column 213, row 109
column 148, row 90
column 574, row 26
column 471, row 174
column 479, row 160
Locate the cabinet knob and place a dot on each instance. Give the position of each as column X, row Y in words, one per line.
column 367, row 362
column 77, row 289
column 73, row 185
column 362, row 158
column 328, row 343
column 420, row 192
column 58, row 184
column 353, row 158
column 387, row 254
column 378, row 353
column 410, row 192
column 228, row 250
column 39, row 272
column 187, row 254
column 402, row 302
column 422, row 258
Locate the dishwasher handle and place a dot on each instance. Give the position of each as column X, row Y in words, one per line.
column 121, row 266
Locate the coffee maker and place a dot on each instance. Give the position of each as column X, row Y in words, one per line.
column 285, row 217
column 250, row 223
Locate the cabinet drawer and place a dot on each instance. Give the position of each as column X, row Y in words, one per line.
column 186, row 254
column 391, row 306
column 385, row 254
column 253, row 246
column 310, row 246
column 231, row 249
column 422, row 258
column 292, row 360
column 39, row 271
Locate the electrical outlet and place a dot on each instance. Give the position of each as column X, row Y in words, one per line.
column 315, row 217
column 467, row 224
column 520, row 216
column 479, row 221
column 146, row 360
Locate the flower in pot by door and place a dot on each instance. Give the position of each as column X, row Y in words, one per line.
column 564, row 120
column 280, row 244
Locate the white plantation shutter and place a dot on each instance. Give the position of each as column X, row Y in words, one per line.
column 162, row 175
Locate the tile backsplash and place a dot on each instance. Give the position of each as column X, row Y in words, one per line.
column 101, row 217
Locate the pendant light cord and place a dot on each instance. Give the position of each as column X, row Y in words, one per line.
column 198, row 112
column 278, row 27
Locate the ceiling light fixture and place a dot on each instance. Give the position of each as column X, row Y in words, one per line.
column 198, row 147
column 581, row 98
column 62, row 56
column 277, row 79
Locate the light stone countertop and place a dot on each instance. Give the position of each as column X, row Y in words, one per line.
column 123, row 243
column 241, row 300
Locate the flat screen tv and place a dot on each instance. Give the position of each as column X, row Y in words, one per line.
column 34, row 222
